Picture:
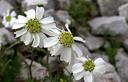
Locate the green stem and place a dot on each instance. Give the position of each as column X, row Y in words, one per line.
column 30, row 70
column 30, row 66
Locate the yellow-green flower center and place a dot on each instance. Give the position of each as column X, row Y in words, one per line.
column 66, row 39
column 33, row 25
column 89, row 65
column 8, row 18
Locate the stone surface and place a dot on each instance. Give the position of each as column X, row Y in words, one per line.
column 122, row 65
column 36, row 2
column 110, row 7
column 84, row 49
column 4, row 6
column 64, row 4
column 125, row 43
column 38, row 71
column 7, row 37
column 109, row 77
column 100, row 55
column 78, row 81
column 123, row 11
column 63, row 16
column 114, row 25
column 93, row 42
column 107, row 7
column 26, row 7
column 52, row 4
column 49, row 12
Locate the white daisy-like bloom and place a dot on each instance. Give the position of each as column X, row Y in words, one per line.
column 63, row 44
column 31, row 28
column 9, row 18
column 88, row 69
column 36, row 2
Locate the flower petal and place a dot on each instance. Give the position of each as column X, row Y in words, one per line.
column 28, row 38
column 20, row 32
column 76, row 68
column 77, row 50
column 56, row 50
column 79, row 75
column 18, row 25
column 36, row 40
column 79, row 39
column 13, row 14
column 67, row 27
column 23, row 37
column 21, row 19
column 82, row 59
column 39, row 12
column 49, row 32
column 47, row 20
column 30, row 13
column 49, row 26
column 50, row 41
column 99, row 61
column 12, row 22
column 99, row 70
column 66, row 55
column 88, row 78
column 42, row 37
column 56, row 31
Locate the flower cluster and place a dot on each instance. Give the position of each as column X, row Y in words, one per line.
column 38, row 31
column 88, row 68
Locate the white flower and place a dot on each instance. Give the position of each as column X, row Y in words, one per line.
column 33, row 26
column 9, row 18
column 63, row 44
column 36, row 2
column 87, row 69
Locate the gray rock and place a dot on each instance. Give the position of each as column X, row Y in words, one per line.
column 63, row 16
column 26, row 6
column 78, row 81
column 100, row 55
column 51, row 4
column 109, row 77
column 122, row 1
column 123, row 11
column 38, row 71
column 64, row 4
column 93, row 42
column 49, row 12
column 4, row 6
column 84, row 49
column 110, row 7
column 114, row 25
column 7, row 37
column 125, row 43
column 122, row 65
